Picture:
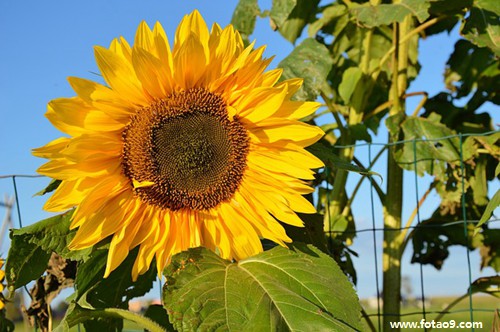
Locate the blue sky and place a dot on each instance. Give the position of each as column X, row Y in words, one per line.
column 44, row 42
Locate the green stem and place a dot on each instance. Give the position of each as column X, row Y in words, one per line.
column 356, row 113
column 368, row 320
column 451, row 305
column 379, row 191
column 85, row 314
column 392, row 250
column 413, row 215
column 415, row 31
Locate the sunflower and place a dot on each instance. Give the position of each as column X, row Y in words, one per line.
column 192, row 146
column 2, row 277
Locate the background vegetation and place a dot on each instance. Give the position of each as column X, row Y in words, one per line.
column 358, row 58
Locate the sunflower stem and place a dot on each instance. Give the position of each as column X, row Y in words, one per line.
column 393, row 236
column 140, row 320
column 338, row 198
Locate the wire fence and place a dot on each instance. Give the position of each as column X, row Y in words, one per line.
column 369, row 228
column 477, row 313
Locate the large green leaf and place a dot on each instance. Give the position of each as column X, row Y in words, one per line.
column 278, row 290
column 244, row 17
column 482, row 27
column 118, row 288
column 434, row 145
column 385, row 14
column 291, row 16
column 311, row 61
column 32, row 246
column 112, row 292
column 53, row 235
column 26, row 261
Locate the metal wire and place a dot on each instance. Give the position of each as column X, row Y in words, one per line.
column 466, row 235
column 465, row 222
column 422, row 293
column 377, row 282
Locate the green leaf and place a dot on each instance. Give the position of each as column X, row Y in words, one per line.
column 291, row 16
column 431, row 149
column 280, row 289
column 76, row 314
column 385, row 14
column 482, row 27
column 492, row 205
column 350, row 79
column 53, row 235
column 112, row 292
column 311, row 61
column 311, row 233
column 432, row 238
column 488, row 285
column 50, row 188
column 489, row 248
column 26, row 261
column 118, row 288
column 327, row 155
column 159, row 315
column 244, row 17
column 280, row 10
column 471, row 68
column 6, row 325
column 329, row 14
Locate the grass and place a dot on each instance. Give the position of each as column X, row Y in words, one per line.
column 483, row 306
column 483, row 311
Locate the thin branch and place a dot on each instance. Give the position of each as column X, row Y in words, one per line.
column 421, row 103
column 447, row 309
column 334, row 112
column 358, row 185
column 415, row 31
column 368, row 320
column 414, row 214
column 389, row 103
column 375, row 185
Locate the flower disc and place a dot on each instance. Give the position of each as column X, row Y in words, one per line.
column 186, row 150
column 194, row 145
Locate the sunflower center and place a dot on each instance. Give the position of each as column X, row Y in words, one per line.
column 185, row 152
column 192, row 151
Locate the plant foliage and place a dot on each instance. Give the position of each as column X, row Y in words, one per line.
column 358, row 58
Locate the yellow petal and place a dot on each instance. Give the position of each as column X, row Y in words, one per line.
column 190, row 63
column 261, row 104
column 103, row 98
column 192, row 24
column 142, row 184
column 144, row 37
column 52, row 149
column 120, row 75
column 149, row 71
column 277, row 130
